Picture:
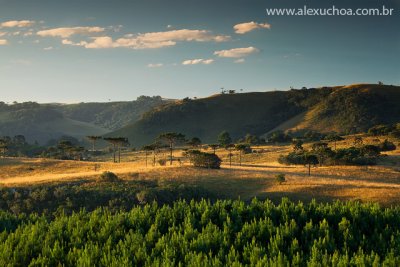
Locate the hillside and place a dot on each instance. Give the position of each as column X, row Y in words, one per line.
column 43, row 122
column 346, row 109
column 111, row 115
column 352, row 109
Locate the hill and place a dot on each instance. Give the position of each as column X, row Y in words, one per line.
column 43, row 122
column 353, row 109
column 345, row 109
column 111, row 115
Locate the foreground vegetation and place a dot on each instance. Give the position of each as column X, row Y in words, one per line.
column 107, row 191
column 226, row 233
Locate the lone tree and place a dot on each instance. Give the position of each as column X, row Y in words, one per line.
column 310, row 159
column 93, row 139
column 334, row 138
column 117, row 143
column 171, row 138
column 224, row 139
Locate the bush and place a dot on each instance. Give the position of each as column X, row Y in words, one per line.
column 280, row 178
column 108, row 177
column 206, row 160
column 387, row 146
column 146, row 196
column 162, row 162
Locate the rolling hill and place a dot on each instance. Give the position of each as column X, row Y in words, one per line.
column 43, row 122
column 345, row 109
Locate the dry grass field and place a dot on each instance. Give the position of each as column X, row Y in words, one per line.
column 255, row 177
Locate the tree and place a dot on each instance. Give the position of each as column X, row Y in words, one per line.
column 322, row 151
column 171, row 138
column 93, row 139
column 65, row 146
column 310, row 159
column 117, row 143
column 146, row 149
column 224, row 139
column 206, row 160
column 194, row 142
column 214, row 147
column 152, row 147
column 334, row 138
column 229, row 148
column 251, row 139
column 3, row 147
column 280, row 178
column 297, row 145
column 242, row 148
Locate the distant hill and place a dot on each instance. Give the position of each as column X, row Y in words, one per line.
column 345, row 109
column 43, row 122
column 111, row 115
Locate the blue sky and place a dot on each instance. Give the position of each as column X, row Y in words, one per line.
column 85, row 51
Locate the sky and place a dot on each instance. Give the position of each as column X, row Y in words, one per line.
column 102, row 50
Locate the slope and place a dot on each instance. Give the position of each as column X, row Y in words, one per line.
column 347, row 109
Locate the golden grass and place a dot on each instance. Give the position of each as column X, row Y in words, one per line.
column 256, row 176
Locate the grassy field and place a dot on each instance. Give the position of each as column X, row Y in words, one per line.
column 254, row 178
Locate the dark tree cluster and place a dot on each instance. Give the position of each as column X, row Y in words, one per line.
column 17, row 146
column 322, row 154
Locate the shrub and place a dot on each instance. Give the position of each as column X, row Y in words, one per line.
column 206, row 160
column 146, row 196
column 108, row 177
column 280, row 178
column 162, row 162
column 387, row 146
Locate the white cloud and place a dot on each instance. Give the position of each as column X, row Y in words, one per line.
column 237, row 52
column 17, row 23
column 208, row 61
column 3, row 42
column 99, row 42
column 147, row 40
column 240, row 60
column 243, row 28
column 48, row 48
column 2, row 33
column 67, row 32
column 67, row 42
column 155, row 65
column 198, row 61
